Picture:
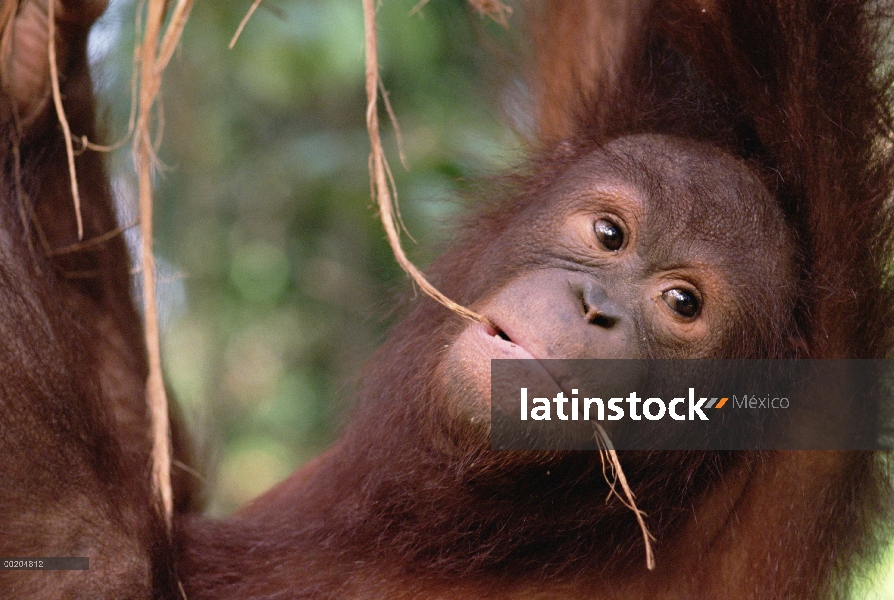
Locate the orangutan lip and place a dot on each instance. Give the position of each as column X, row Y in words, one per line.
column 497, row 332
column 518, row 351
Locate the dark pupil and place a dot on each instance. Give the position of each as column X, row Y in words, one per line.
column 682, row 302
column 609, row 234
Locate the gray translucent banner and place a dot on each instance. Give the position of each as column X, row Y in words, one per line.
column 692, row 404
column 45, row 563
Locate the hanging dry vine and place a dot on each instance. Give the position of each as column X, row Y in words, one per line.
column 153, row 54
column 628, row 499
column 60, row 113
column 381, row 183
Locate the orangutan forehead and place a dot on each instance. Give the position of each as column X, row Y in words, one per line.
column 676, row 186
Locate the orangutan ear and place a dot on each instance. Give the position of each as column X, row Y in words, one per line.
column 25, row 52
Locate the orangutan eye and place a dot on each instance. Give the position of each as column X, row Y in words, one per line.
column 683, row 302
column 609, row 234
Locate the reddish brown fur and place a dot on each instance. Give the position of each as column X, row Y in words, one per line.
column 409, row 503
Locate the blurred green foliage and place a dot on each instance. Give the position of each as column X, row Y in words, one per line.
column 278, row 279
